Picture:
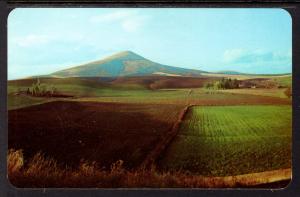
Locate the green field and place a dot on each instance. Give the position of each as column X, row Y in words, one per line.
column 230, row 132
column 164, row 96
column 231, row 140
column 137, row 90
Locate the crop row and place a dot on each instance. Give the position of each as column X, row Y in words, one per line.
column 231, row 140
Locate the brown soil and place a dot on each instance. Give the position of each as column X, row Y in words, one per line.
column 72, row 131
column 221, row 99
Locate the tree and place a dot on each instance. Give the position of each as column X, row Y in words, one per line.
column 41, row 89
column 209, row 85
column 235, row 83
column 223, row 84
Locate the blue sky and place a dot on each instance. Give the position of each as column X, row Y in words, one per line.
column 44, row 40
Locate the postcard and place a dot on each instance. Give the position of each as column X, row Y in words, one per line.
column 149, row 98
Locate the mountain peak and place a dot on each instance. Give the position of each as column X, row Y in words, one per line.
column 125, row 55
column 127, row 52
column 124, row 63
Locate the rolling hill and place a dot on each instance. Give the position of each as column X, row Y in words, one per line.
column 229, row 72
column 125, row 63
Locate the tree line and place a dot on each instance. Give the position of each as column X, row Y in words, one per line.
column 224, row 83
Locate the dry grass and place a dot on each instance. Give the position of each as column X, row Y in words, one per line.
column 272, row 92
column 15, row 161
column 45, row 172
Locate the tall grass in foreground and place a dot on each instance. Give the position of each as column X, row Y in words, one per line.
column 40, row 172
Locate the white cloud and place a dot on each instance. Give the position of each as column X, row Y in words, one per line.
column 132, row 25
column 255, row 56
column 130, row 21
column 258, row 60
column 31, row 40
column 232, row 54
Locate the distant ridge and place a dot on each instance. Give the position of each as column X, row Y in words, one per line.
column 231, row 72
column 125, row 63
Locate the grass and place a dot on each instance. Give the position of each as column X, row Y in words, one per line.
column 285, row 81
column 136, row 90
column 232, row 140
column 185, row 97
column 272, row 92
column 20, row 101
column 42, row 172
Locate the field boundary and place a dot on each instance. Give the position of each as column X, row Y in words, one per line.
column 249, row 180
column 151, row 158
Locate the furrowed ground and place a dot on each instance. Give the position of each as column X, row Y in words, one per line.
column 231, row 140
column 73, row 131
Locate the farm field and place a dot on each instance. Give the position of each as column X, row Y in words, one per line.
column 15, row 102
column 90, row 131
column 164, row 96
column 272, row 92
column 231, row 140
column 188, row 96
column 137, row 90
column 136, row 120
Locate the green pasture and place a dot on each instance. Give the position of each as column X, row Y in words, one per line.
column 118, row 94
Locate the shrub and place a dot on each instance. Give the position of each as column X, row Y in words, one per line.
column 288, row 92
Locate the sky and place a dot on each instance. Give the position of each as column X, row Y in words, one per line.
column 45, row 40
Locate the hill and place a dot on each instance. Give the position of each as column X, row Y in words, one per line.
column 229, row 72
column 125, row 63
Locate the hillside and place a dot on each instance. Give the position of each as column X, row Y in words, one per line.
column 229, row 72
column 125, row 63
